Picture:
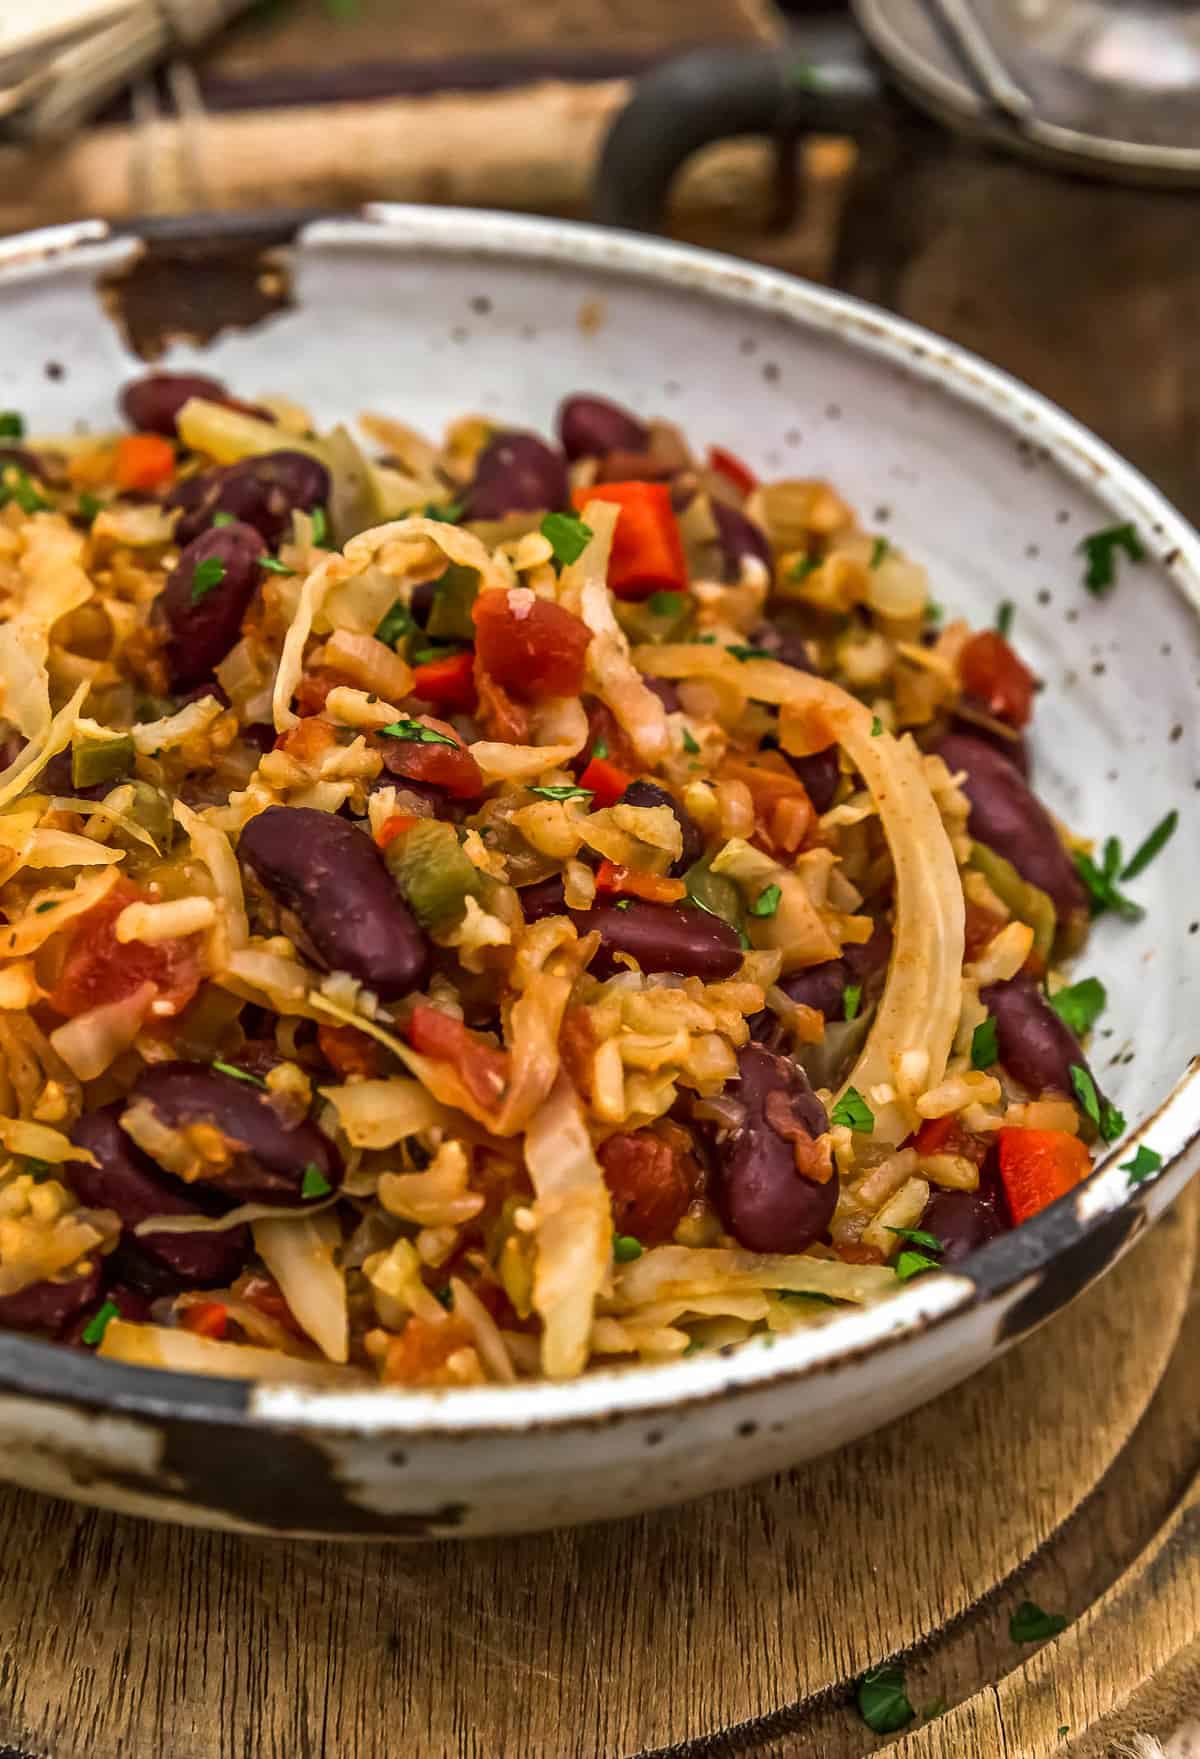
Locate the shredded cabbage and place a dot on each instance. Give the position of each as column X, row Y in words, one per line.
column 616, row 680
column 573, row 1229
column 301, row 1254
column 161, row 1346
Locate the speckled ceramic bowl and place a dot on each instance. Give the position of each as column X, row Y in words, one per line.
column 428, row 313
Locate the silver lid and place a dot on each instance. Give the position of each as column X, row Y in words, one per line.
column 1106, row 86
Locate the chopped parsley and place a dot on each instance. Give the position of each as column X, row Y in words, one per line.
column 1107, row 1119
column 273, row 565
column 1081, row 1004
column 625, row 1248
column 879, row 551
column 90, row 506
column 449, row 513
column 417, row 732
column 209, row 573
column 985, row 1048
column 1100, row 550
column 803, row 568
column 397, row 625
column 919, row 1237
column 934, row 613
column 666, row 604
column 600, row 748
column 1144, row 1162
column 562, row 791
column 876, row 727
column 319, row 520
column 1005, row 612
column 239, row 1074
column 911, row 1264
column 1029, row 1624
column 690, row 744
column 37, row 1169
column 626, row 904
column 314, row 1182
column 12, row 426
column 41, row 909
column 1159, row 837
column 851, row 1000
column 568, row 537
column 97, row 1325
column 882, row 1700
column 221, row 519
column 18, row 487
column 742, row 651
column 767, row 902
column 445, row 1295
column 853, row 1111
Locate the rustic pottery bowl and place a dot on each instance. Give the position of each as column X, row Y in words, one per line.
column 427, row 313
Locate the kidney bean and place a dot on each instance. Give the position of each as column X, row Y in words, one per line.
column 204, row 623
column 820, row 771
column 263, row 492
column 1013, row 748
column 963, row 1221
column 270, row 1161
column 152, row 403
column 1036, row 1047
column 129, row 1182
column 421, row 602
column 766, row 1204
column 1008, row 817
column 517, row 473
column 545, row 898
column 332, row 877
column 666, row 692
column 49, row 1306
column 662, row 938
column 823, row 986
column 739, row 537
column 591, row 427
column 644, row 793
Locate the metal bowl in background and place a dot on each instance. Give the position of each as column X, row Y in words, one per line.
column 426, row 313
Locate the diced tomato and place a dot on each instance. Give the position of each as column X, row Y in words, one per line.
column 306, row 741
column 854, row 1252
column 532, row 648
column 313, row 689
column 730, row 466
column 613, row 880
column 606, row 782
column 947, row 1136
column 99, row 969
column 981, row 926
column 448, row 683
column 419, row 1355
column 991, row 670
column 783, row 812
column 143, row 461
column 647, row 549
column 445, row 766
column 394, row 827
column 651, row 1180
column 484, row 1070
column 208, row 1319
column 1039, row 1166
column 348, row 1051
column 498, row 714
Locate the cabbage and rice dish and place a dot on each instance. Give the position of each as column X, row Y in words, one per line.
column 500, row 908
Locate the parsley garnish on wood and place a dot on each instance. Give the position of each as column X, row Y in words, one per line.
column 1029, row 1624
column 1100, row 549
column 882, row 1700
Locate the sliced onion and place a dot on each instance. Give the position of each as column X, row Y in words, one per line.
column 489, row 1345
column 920, row 1006
column 214, row 849
column 300, row 1252
column 378, row 1114
column 90, row 1042
column 684, row 1273
column 160, row 1346
column 617, row 681
column 573, row 1229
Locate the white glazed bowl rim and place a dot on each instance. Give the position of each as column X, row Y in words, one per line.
column 1088, row 1228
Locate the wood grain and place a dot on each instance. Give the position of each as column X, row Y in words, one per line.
column 725, row 1626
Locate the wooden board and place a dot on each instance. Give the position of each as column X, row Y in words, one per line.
column 1067, row 1472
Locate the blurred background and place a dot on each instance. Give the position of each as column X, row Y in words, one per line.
column 1019, row 174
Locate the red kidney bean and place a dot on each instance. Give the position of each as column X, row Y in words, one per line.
column 263, row 492
column 963, row 1221
column 271, row 1159
column 1036, row 1047
column 545, row 898
column 820, row 771
column 129, row 1305
column 739, row 537
column 591, row 427
column 517, row 473
column 643, row 793
column 662, row 938
column 332, row 878
column 129, row 1182
column 783, row 641
column 823, row 986
column 1008, row 817
column 421, row 602
column 152, row 403
column 50, row 1306
column 666, row 692
column 1013, row 746
column 767, row 1205
column 204, row 622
